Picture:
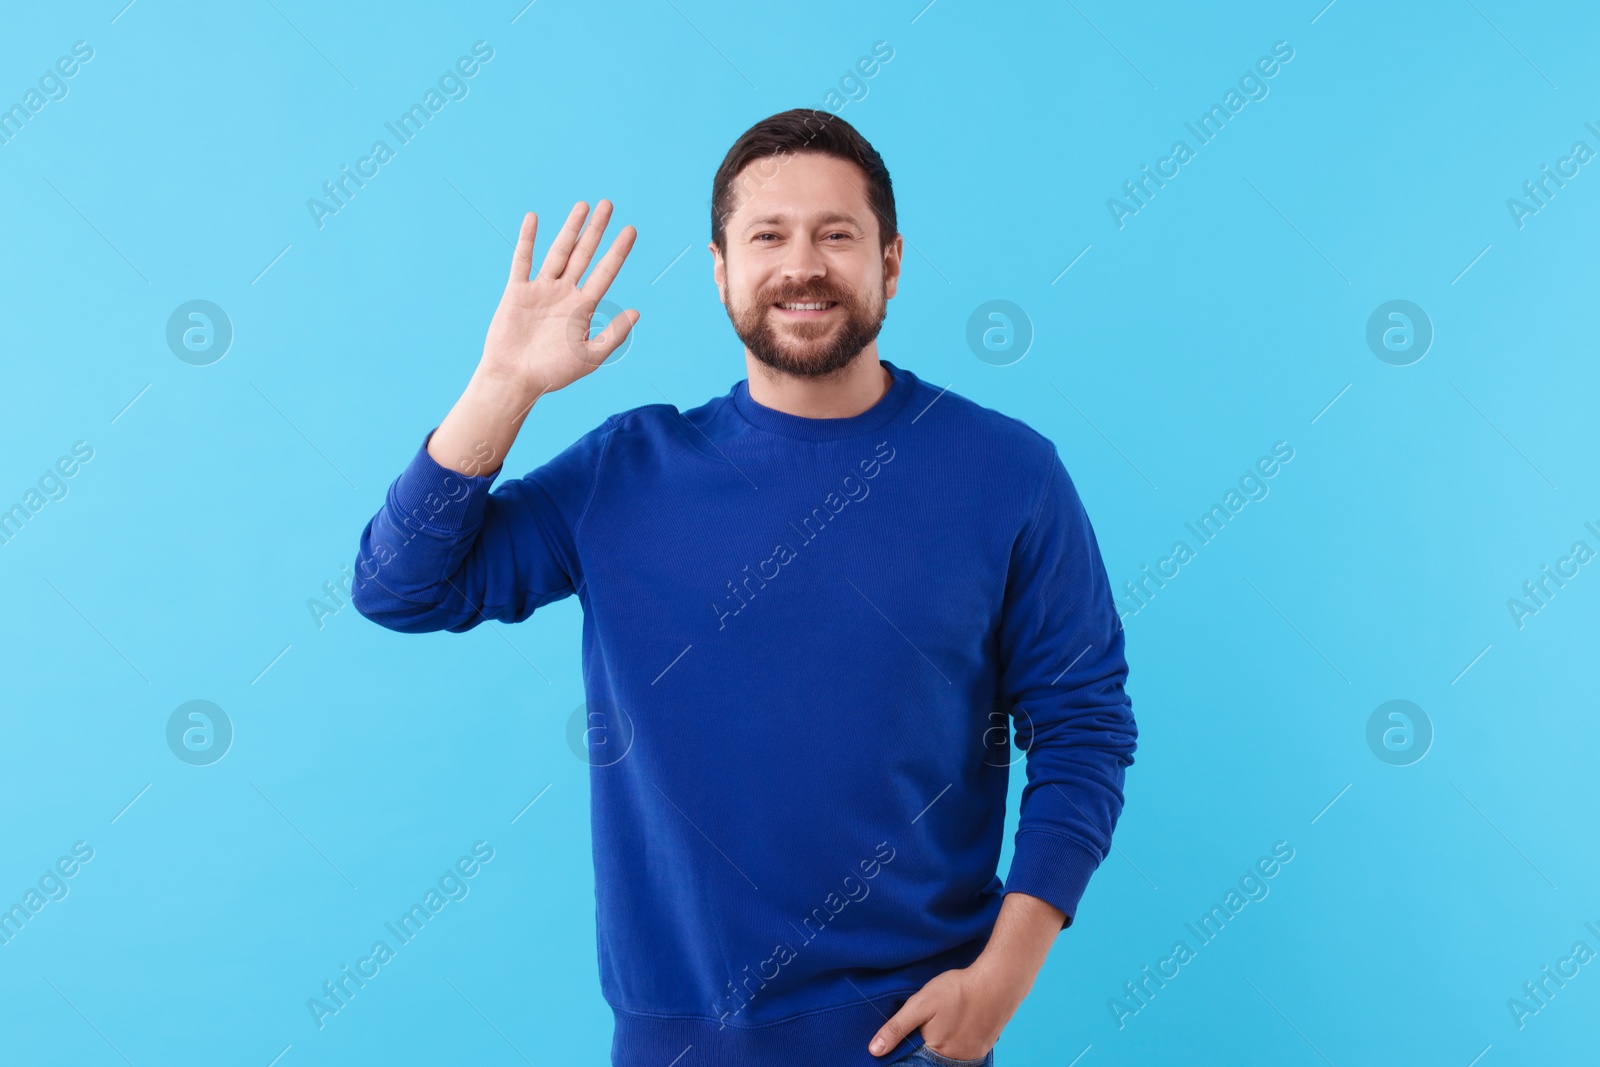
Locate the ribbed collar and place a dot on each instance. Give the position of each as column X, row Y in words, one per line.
column 888, row 406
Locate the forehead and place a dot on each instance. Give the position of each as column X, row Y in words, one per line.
column 805, row 188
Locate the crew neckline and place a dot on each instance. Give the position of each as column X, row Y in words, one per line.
column 781, row 422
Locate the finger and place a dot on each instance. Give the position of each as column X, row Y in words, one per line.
column 522, row 256
column 614, row 334
column 555, row 261
column 605, row 272
column 910, row 1016
column 592, row 232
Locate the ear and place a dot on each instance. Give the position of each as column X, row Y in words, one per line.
column 891, row 266
column 719, row 269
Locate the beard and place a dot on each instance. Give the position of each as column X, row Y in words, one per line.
column 808, row 348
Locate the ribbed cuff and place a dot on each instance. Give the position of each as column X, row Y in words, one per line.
column 436, row 496
column 1053, row 868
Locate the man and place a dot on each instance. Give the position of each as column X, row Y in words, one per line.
column 812, row 606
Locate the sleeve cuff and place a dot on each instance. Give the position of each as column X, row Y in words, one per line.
column 1053, row 868
column 436, row 496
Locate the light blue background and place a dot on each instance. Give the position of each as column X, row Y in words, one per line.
column 1226, row 315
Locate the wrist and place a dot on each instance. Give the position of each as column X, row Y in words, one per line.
column 502, row 391
column 1008, row 970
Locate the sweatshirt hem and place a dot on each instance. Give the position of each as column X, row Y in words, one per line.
column 825, row 1037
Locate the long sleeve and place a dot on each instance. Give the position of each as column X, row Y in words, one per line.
column 445, row 552
column 1062, row 674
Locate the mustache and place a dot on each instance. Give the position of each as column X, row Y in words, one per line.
column 808, row 296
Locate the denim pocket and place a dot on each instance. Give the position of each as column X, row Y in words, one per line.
column 924, row 1054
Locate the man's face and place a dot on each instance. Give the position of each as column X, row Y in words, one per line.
column 801, row 232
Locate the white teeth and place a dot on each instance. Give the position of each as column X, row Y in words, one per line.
column 805, row 307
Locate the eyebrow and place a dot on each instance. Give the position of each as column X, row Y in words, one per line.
column 831, row 217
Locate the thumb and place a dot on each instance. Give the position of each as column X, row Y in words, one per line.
column 614, row 334
column 910, row 1016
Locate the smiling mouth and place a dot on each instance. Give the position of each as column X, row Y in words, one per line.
column 806, row 308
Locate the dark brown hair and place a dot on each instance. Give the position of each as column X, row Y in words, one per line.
column 802, row 129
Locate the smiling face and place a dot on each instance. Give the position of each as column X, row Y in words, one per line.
column 805, row 281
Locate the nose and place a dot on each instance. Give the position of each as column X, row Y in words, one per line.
column 802, row 264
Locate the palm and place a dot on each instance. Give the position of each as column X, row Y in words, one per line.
column 540, row 332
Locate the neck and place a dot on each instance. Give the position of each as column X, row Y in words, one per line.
column 850, row 391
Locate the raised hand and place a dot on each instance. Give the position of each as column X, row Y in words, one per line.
column 538, row 340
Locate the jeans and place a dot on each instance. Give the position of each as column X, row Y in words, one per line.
column 923, row 1056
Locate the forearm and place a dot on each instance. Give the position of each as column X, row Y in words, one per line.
column 413, row 566
column 476, row 435
column 1023, row 933
column 444, row 552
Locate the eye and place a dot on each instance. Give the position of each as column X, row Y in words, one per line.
column 759, row 236
column 840, row 234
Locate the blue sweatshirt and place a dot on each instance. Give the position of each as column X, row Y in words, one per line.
column 806, row 644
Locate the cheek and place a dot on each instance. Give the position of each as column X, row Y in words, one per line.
column 755, row 290
column 745, row 296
